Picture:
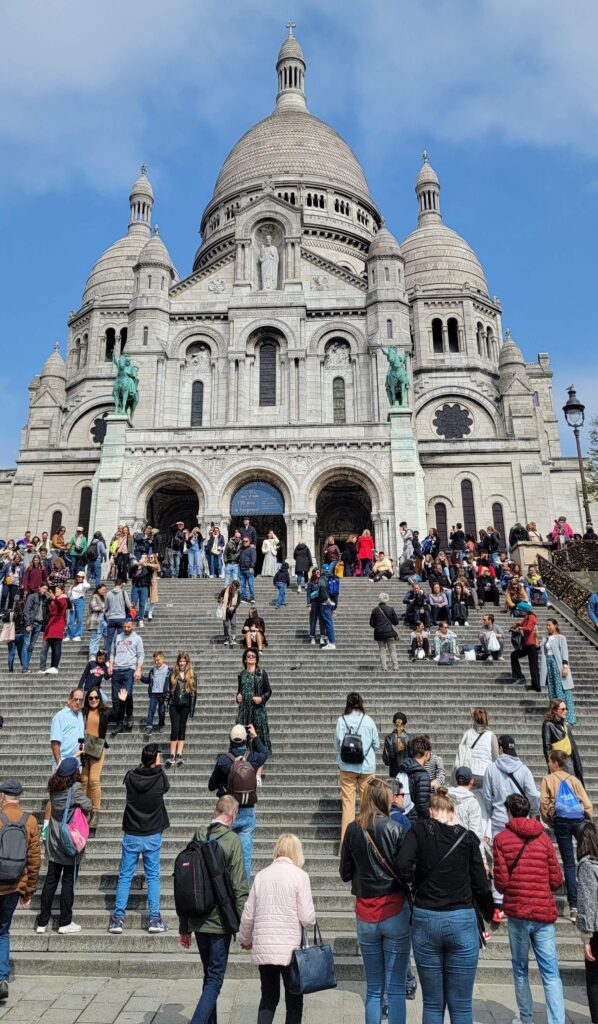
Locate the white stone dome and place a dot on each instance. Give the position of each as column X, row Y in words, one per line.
column 112, row 275
column 290, row 50
column 291, row 144
column 384, row 243
column 54, row 365
column 438, row 258
column 510, row 353
column 156, row 252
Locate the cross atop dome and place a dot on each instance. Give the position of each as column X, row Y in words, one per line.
column 290, row 68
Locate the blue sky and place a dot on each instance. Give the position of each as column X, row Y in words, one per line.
column 504, row 96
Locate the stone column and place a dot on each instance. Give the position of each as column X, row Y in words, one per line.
column 407, row 473
column 106, row 500
column 231, row 391
column 309, row 535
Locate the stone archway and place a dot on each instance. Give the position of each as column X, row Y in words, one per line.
column 263, row 503
column 343, row 507
column 170, row 500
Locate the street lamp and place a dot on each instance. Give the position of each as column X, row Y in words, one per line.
column 575, row 414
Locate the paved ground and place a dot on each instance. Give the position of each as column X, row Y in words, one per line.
column 64, row 1000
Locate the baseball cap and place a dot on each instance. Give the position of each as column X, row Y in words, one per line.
column 463, row 775
column 238, row 734
column 508, row 745
column 11, row 787
column 68, row 766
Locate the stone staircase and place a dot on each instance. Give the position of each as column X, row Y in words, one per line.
column 301, row 790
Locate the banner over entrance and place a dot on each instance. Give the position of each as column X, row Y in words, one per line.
column 257, row 498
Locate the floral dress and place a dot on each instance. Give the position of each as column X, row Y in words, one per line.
column 253, row 714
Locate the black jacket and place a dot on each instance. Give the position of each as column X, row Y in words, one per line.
column 93, row 675
column 179, row 697
column 107, row 715
column 452, row 885
column 261, row 685
column 282, row 576
column 35, row 608
column 303, row 559
column 359, row 863
column 420, row 789
column 177, row 538
column 145, row 813
column 256, row 757
column 382, row 620
column 390, row 754
column 247, row 558
column 552, row 732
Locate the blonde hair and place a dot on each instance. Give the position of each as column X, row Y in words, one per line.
column 226, row 805
column 190, row 684
column 289, row 845
column 441, row 801
column 376, row 798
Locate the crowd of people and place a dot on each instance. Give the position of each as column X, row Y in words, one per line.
column 437, row 858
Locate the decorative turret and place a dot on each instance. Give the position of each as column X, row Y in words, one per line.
column 290, row 68
column 427, row 188
column 54, row 369
column 141, row 202
column 510, row 355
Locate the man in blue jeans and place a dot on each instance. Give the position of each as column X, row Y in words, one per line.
column 144, row 820
column 23, row 886
column 244, row 743
column 124, row 667
column 247, row 560
column 527, row 872
column 214, row 931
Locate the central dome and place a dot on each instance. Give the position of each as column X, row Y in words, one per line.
column 291, row 143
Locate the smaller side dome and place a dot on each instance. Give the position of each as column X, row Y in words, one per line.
column 155, row 252
column 426, row 174
column 384, row 244
column 54, row 365
column 290, row 50
column 510, row 353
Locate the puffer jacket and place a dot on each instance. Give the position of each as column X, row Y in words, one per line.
column 279, row 905
column 528, row 889
column 303, row 559
column 420, row 789
column 359, row 863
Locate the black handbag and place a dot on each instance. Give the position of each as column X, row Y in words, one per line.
column 312, row 967
column 517, row 639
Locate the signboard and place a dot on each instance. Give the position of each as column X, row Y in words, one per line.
column 257, row 498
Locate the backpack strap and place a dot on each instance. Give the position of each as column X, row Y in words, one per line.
column 511, row 775
column 477, row 740
column 24, row 818
column 520, row 854
column 4, row 819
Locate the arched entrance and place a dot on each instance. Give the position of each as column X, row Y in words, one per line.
column 343, row 507
column 263, row 504
column 170, row 502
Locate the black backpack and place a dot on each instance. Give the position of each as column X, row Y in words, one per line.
column 352, row 746
column 13, row 848
column 202, row 885
column 92, row 551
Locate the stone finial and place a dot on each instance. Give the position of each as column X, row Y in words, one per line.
column 425, row 156
column 156, row 229
column 508, row 336
column 291, row 25
column 144, row 168
column 57, row 346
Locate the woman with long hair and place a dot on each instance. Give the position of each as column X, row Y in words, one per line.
column 566, row 826
column 60, row 573
column 35, row 575
column 97, row 716
column 370, row 861
column 587, row 908
column 153, row 560
column 16, row 646
column 477, row 750
column 365, row 552
column 229, row 600
column 270, row 546
column 253, row 693
column 444, row 861
column 65, row 780
column 254, row 630
column 395, row 744
column 557, row 735
column 280, row 904
column 555, row 671
column 182, row 697
column 122, row 555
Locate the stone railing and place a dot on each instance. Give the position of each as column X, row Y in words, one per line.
column 564, row 588
column 577, row 556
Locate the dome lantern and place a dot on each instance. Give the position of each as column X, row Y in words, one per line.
column 141, row 202
column 427, row 188
column 290, row 68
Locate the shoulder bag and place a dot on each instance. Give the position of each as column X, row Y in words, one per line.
column 7, row 634
column 312, row 967
column 93, row 746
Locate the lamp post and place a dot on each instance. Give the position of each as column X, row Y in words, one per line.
column 575, row 414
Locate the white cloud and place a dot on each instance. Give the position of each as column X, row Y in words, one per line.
column 85, row 86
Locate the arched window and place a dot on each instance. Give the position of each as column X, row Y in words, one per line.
column 480, row 337
column 338, row 400
column 389, row 328
column 85, row 509
column 490, row 343
column 123, row 338
column 197, row 403
column 84, row 347
column 498, row 519
column 267, row 373
column 387, row 274
column 56, row 522
column 468, row 503
column 110, row 344
column 441, row 523
column 77, row 354
column 452, row 328
column 437, row 339
column 145, row 335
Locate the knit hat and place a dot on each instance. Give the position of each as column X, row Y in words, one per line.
column 508, row 745
column 238, row 734
column 68, row 766
column 384, row 598
column 12, row 787
column 463, row 775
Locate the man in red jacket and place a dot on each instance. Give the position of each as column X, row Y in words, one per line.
column 527, row 872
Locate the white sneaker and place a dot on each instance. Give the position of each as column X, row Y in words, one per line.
column 51, row 671
column 330, row 647
column 437, row 658
column 312, row 642
column 76, row 639
column 466, row 623
column 322, row 641
column 66, row 639
column 150, row 616
column 41, row 929
column 69, row 929
column 142, row 624
column 43, row 672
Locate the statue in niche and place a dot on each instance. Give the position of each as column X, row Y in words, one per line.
column 268, row 259
column 125, row 391
column 397, row 378
column 338, row 353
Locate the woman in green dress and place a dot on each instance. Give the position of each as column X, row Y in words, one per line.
column 253, row 694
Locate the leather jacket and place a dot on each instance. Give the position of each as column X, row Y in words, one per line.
column 359, row 863
column 552, row 732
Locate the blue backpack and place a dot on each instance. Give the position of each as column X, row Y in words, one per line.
column 567, row 805
column 334, row 587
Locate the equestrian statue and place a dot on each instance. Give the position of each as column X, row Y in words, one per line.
column 125, row 391
column 397, row 378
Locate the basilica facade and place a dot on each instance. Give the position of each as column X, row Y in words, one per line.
column 262, row 371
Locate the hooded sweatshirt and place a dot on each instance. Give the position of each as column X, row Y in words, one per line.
column 498, row 786
column 467, row 809
column 145, row 813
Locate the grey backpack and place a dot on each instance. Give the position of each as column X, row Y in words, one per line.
column 13, row 848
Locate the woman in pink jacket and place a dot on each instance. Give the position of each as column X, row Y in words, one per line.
column 280, row 904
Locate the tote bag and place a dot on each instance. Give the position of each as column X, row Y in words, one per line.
column 312, row 967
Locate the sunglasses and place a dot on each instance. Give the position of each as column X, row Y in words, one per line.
column 77, row 700
column 93, row 700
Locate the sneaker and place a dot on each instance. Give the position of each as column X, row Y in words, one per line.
column 115, row 732
column 142, row 624
column 466, row 623
column 179, row 761
column 69, row 929
column 157, row 924
column 41, row 929
column 66, row 639
column 169, row 761
column 313, row 641
column 76, row 639
column 226, row 643
column 150, row 616
column 330, row 647
column 573, row 914
column 3, row 990
column 411, row 989
column 42, row 672
column 115, row 925
column 233, row 642
column 498, row 916
column 322, row 641
column 51, row 671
